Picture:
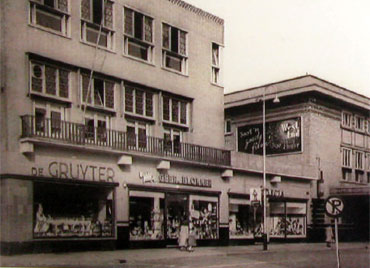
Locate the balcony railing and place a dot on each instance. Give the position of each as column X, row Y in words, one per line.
column 80, row 134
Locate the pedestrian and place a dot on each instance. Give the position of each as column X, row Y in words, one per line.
column 329, row 235
column 192, row 242
column 184, row 234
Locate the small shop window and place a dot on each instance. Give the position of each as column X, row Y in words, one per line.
column 277, row 219
column 204, row 217
column 296, row 219
column 240, row 219
column 146, row 216
column 70, row 211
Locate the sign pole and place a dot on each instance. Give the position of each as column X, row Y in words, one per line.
column 336, row 241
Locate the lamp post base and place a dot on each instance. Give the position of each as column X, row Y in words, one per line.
column 264, row 237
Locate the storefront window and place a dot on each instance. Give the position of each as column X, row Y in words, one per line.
column 146, row 216
column 296, row 220
column 71, row 211
column 277, row 219
column 204, row 217
column 177, row 211
column 240, row 219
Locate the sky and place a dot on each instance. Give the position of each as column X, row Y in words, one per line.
column 272, row 40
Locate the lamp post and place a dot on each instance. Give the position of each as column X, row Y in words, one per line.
column 276, row 100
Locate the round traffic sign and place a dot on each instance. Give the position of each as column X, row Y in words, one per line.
column 334, row 206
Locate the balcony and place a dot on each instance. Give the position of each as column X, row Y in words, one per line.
column 80, row 134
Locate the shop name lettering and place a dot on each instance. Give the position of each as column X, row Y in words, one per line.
column 75, row 172
column 173, row 179
column 274, row 193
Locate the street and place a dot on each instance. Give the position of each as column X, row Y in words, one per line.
column 299, row 255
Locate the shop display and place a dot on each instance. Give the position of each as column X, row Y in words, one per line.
column 204, row 219
column 240, row 224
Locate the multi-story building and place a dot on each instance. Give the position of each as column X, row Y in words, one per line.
column 317, row 144
column 108, row 134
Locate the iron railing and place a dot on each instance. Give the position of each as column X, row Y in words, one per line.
column 80, row 134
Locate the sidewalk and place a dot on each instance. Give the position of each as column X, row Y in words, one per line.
column 131, row 256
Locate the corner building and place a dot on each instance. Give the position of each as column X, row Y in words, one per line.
column 317, row 145
column 108, row 135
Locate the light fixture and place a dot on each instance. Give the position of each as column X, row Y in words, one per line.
column 276, row 99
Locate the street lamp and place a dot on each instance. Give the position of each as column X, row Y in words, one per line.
column 276, row 100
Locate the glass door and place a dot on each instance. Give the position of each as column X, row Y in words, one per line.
column 177, row 209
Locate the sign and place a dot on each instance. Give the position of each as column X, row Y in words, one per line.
column 75, row 171
column 334, row 206
column 146, row 177
column 255, row 195
column 282, row 136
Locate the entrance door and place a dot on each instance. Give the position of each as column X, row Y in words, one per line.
column 177, row 209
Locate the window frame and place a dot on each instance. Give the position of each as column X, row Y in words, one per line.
column 344, row 122
column 97, row 134
column 170, row 111
column 227, row 123
column 216, row 65
column 133, row 40
column 172, row 132
column 88, row 24
column 169, row 53
column 137, row 125
column 344, row 159
column 92, row 92
column 58, row 70
column 362, row 123
column 134, row 102
column 63, row 15
column 359, row 160
column 47, row 109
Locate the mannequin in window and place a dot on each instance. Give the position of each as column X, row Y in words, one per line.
column 42, row 225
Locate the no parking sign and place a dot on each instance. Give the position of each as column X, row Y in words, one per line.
column 334, row 206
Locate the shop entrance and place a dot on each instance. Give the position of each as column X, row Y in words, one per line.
column 177, row 211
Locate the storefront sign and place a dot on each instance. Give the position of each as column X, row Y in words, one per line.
column 75, row 171
column 274, row 193
column 281, row 137
column 146, row 177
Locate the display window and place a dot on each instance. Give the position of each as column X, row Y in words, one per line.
column 241, row 219
column 177, row 213
column 277, row 220
column 63, row 211
column 204, row 217
column 146, row 216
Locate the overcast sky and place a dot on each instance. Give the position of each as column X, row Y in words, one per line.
column 272, row 40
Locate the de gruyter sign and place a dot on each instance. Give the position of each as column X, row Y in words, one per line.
column 282, row 136
column 74, row 171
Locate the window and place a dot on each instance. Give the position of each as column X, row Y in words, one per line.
column 216, row 63
column 368, row 126
column 240, row 219
column 174, row 52
column 49, row 80
column 138, row 35
column 137, row 135
column 50, row 14
column 40, row 118
column 227, row 126
column 93, row 14
column 138, row 101
column 346, row 119
column 359, row 160
column 346, row 157
column 56, row 121
column 172, row 141
column 95, row 130
column 48, row 119
column 359, row 123
column 175, row 111
column 101, row 93
column 346, row 174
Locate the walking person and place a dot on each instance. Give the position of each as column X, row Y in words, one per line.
column 329, row 235
column 184, row 233
column 192, row 242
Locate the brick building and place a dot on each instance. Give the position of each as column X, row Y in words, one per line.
column 317, row 140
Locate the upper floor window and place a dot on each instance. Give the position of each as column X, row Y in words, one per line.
column 359, row 160
column 96, row 129
column 138, row 101
column 137, row 133
column 172, row 141
column 50, row 14
column 49, row 80
column 359, row 123
column 101, row 93
column 227, row 126
column 346, row 157
column 175, row 110
column 138, row 35
column 174, row 44
column 216, row 49
column 346, row 119
column 93, row 14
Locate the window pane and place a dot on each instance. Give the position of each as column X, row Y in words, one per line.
column 142, row 138
column 85, row 9
column 166, row 36
column 166, row 108
column 131, row 137
column 48, row 20
column 137, row 50
column 183, row 113
column 182, row 43
column 128, row 21
column 176, row 144
column 109, row 94
column 40, row 119
column 50, row 78
column 89, row 123
column 108, row 14
column 63, row 5
column 49, row 3
column 148, row 29
column 98, row 92
column 36, row 78
column 174, row 40
column 139, row 102
column 214, row 54
column 85, row 85
column 175, row 110
column 173, row 62
column 97, row 11
column 138, row 25
column 63, row 83
column 129, row 102
column 102, row 131
column 148, row 104
column 92, row 37
column 167, row 142
column 56, row 118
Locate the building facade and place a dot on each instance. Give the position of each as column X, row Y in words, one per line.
column 317, row 140
column 106, row 122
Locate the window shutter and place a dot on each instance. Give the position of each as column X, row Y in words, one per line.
column 148, row 29
column 86, row 9
column 166, row 36
column 50, row 79
column 128, row 21
column 85, row 85
column 109, row 94
column 63, row 83
column 108, row 14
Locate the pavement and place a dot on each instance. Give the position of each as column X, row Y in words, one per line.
column 135, row 256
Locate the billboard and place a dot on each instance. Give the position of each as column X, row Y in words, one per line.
column 283, row 136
